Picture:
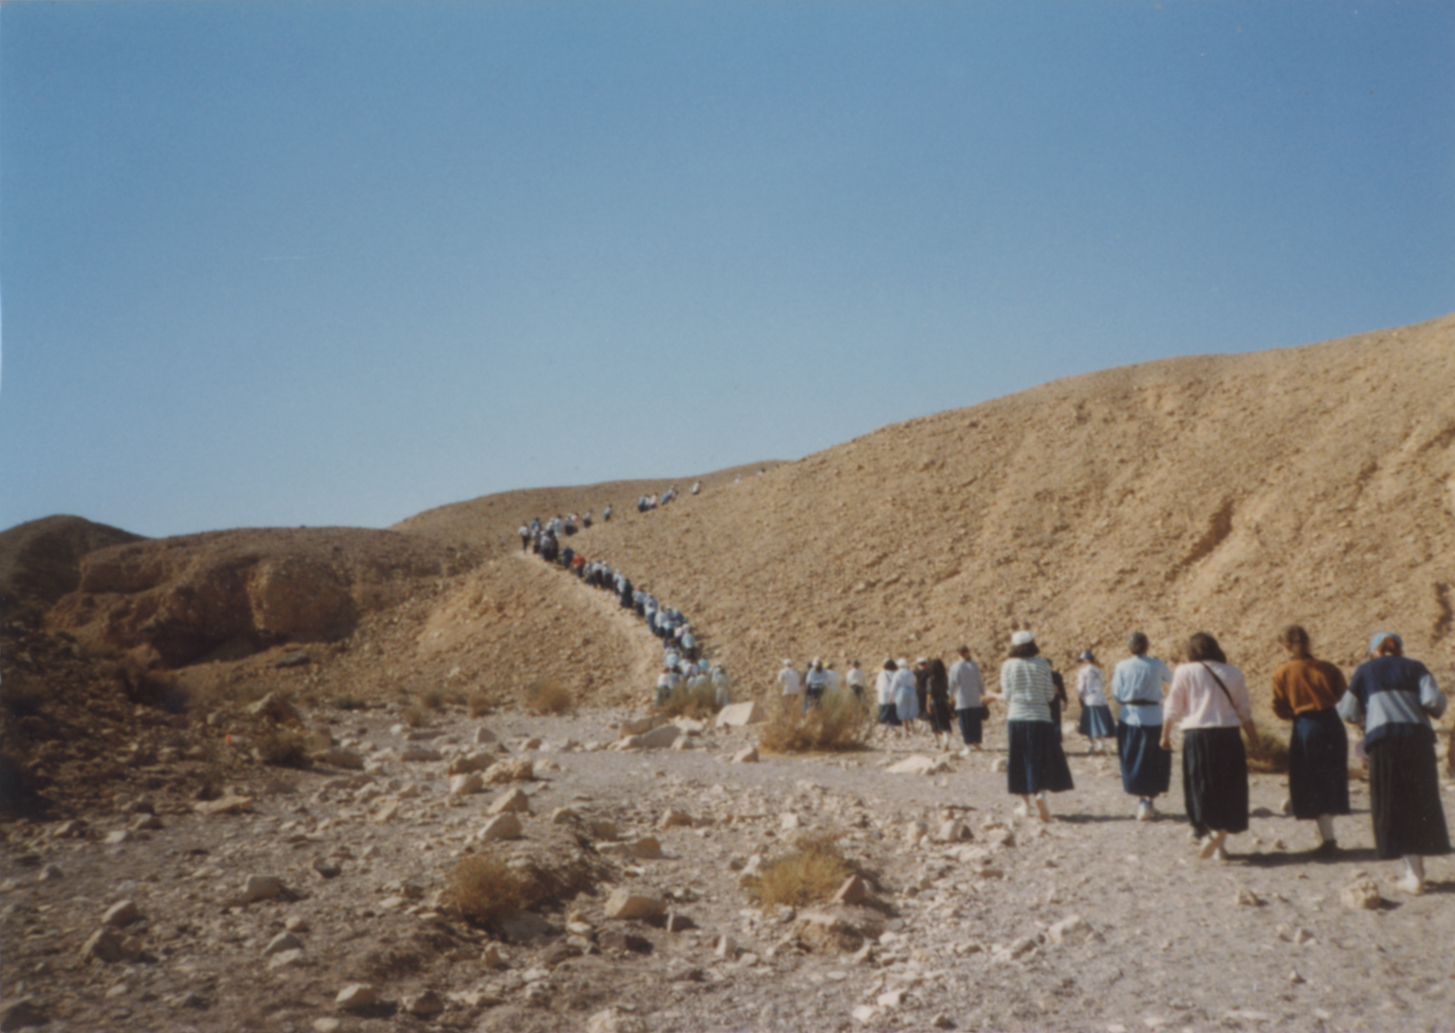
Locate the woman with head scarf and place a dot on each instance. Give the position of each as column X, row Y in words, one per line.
column 1307, row 691
column 906, row 700
column 1037, row 763
column 1210, row 699
column 1394, row 698
column 1095, row 723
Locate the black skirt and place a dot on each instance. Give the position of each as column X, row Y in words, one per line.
column 1146, row 766
column 1404, row 793
column 1318, row 765
column 939, row 715
column 1215, row 779
column 1037, row 761
column 970, row 725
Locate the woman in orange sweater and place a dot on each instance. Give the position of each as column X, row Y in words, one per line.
column 1305, row 691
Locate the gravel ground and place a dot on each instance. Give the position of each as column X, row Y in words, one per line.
column 974, row 934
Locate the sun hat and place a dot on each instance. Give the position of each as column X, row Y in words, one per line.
column 1087, row 656
column 1022, row 638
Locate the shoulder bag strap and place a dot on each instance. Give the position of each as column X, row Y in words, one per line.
column 1221, row 686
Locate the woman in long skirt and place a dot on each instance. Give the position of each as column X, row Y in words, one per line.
column 1136, row 684
column 1095, row 723
column 1210, row 699
column 1306, row 691
column 939, row 701
column 884, row 694
column 1394, row 698
column 1037, row 763
column 906, row 702
column 968, row 688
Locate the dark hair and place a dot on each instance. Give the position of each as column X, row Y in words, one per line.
column 1203, row 646
column 1137, row 643
column 1021, row 652
column 889, row 665
column 963, row 650
column 1295, row 638
column 1390, row 645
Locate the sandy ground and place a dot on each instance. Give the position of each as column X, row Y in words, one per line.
column 1165, row 941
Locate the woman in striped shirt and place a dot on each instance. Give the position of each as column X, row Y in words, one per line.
column 1037, row 762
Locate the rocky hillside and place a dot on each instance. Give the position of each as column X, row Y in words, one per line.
column 1228, row 493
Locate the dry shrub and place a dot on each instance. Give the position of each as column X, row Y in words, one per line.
column 811, row 872
column 283, row 748
column 1271, row 757
column 485, row 889
column 413, row 717
column 350, row 703
column 479, row 703
column 693, row 703
column 840, row 723
column 433, row 699
column 549, row 697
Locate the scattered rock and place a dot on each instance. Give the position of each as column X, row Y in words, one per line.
column 613, row 1020
column 23, row 1013
column 501, row 827
column 1362, row 893
column 673, row 818
column 747, row 755
column 108, row 945
column 512, row 769
column 123, row 912
column 338, row 757
column 298, row 659
column 853, row 891
column 640, row 725
column 281, row 942
column 836, row 928
column 1244, row 897
column 736, row 715
column 466, row 763
column 424, row 1004
column 414, row 753
column 918, row 765
column 512, row 801
column 357, row 997
column 287, row 959
column 261, row 887
column 646, row 848
column 466, row 785
column 492, row 957
column 625, row 904
column 1070, row 929
column 275, row 708
column 224, row 805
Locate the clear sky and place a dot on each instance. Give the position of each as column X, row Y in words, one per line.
column 335, row 263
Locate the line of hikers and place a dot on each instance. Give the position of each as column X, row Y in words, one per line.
column 683, row 666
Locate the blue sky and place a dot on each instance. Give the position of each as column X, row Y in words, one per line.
column 335, row 263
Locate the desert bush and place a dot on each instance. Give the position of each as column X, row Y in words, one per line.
column 1271, row 754
column 432, row 699
column 549, row 697
column 413, row 716
column 840, row 723
column 685, row 702
column 283, row 748
column 485, row 889
column 811, row 872
column 479, row 703
column 349, row 703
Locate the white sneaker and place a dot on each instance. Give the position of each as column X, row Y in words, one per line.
column 1212, row 846
column 1144, row 810
column 1411, row 884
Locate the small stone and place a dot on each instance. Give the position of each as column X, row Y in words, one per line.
column 998, row 766
column 625, row 904
column 425, row 1004
column 22, row 1013
column 1302, row 936
column 1073, row 927
column 274, row 707
column 737, row 715
column 327, row 1024
column 145, row 823
column 613, row 1020
column 232, row 804
column 726, row 947
column 918, row 765
column 338, row 757
column 564, row 816
column 281, row 942
column 109, row 946
column 1361, row 894
column 677, row 922
column 788, row 822
column 747, row 755
column 854, row 890
column 512, row 769
column 287, row 959
column 865, row 1013
column 501, row 827
column 123, row 912
column 513, row 801
column 118, row 837
column 1294, row 978
column 890, row 999
column 466, row 785
column 484, row 736
column 357, row 997
column 673, row 818
column 601, row 828
column 50, row 873
column 492, row 957
column 261, row 887
column 387, row 811
column 327, row 869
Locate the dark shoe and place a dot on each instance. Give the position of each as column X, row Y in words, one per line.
column 1327, row 849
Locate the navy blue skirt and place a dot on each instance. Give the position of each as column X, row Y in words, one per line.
column 1215, row 779
column 1096, row 723
column 1146, row 766
column 1037, row 762
column 970, row 725
column 1318, row 765
column 888, row 714
column 1404, row 793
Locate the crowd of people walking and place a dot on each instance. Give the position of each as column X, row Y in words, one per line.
column 1391, row 699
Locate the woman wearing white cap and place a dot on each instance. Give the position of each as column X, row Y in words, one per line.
column 1394, row 698
column 906, row 703
column 884, row 694
column 1037, row 762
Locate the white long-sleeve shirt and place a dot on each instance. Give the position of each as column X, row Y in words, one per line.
column 1089, row 687
column 966, row 684
column 884, row 688
column 788, row 680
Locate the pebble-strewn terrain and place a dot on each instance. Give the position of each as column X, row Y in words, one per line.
column 308, row 883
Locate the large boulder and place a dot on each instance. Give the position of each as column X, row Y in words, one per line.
column 736, row 715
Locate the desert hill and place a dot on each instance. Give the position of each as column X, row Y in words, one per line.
column 1228, row 493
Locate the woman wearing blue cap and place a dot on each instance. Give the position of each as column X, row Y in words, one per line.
column 1394, row 698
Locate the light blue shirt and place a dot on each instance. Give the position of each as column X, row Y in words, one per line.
column 1137, row 681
